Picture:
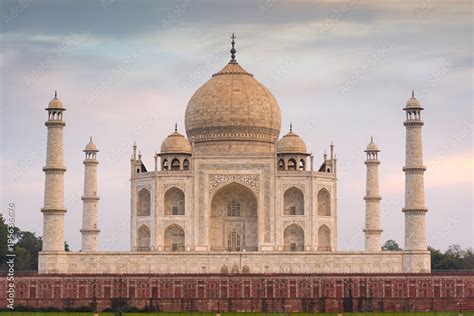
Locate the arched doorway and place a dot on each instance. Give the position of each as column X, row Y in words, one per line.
column 324, row 202
column 324, row 238
column 293, row 202
column 174, row 238
column 143, row 238
column 293, row 238
column 174, row 202
column 234, row 221
column 143, row 203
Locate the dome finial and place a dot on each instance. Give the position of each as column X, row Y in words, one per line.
column 55, row 94
column 175, row 127
column 90, row 139
column 233, row 51
column 412, row 93
column 371, row 139
column 291, row 127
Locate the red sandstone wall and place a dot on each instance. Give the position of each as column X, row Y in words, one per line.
column 266, row 292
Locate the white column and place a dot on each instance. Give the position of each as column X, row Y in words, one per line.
column 54, row 210
column 90, row 199
column 415, row 210
column 372, row 199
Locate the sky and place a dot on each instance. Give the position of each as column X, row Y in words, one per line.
column 341, row 72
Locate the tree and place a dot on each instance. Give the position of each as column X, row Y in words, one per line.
column 31, row 244
column 455, row 258
column 4, row 240
column 391, row 245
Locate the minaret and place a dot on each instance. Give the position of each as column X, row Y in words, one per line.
column 415, row 238
column 372, row 199
column 54, row 210
column 90, row 199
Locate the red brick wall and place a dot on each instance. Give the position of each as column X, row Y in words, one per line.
column 264, row 292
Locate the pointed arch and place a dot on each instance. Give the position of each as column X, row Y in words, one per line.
column 281, row 165
column 302, row 165
column 174, row 201
column 324, row 202
column 186, row 164
column 293, row 238
column 293, row 202
column 143, row 238
column 224, row 269
column 324, row 238
column 233, row 224
column 175, row 164
column 291, row 164
column 174, row 238
column 165, row 165
column 144, row 203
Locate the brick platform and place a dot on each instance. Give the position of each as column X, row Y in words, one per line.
column 231, row 292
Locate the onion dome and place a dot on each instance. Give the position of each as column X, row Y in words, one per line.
column 55, row 103
column 232, row 106
column 91, row 146
column 372, row 146
column 291, row 144
column 413, row 102
column 176, row 143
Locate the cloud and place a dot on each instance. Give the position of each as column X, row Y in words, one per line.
column 303, row 50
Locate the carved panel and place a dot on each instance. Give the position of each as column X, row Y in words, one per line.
column 181, row 186
column 286, row 186
column 301, row 223
column 217, row 180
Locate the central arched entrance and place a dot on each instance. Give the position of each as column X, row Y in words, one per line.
column 233, row 221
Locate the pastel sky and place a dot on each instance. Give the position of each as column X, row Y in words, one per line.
column 341, row 71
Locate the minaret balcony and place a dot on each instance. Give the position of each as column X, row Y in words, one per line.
column 55, row 123
column 413, row 123
column 414, row 210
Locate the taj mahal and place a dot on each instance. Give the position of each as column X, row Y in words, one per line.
column 230, row 195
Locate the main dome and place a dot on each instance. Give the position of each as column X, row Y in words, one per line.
column 232, row 106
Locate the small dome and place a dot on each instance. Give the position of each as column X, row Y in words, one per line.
column 55, row 103
column 413, row 102
column 291, row 144
column 176, row 143
column 372, row 146
column 91, row 146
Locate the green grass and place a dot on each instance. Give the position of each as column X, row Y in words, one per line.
column 8, row 313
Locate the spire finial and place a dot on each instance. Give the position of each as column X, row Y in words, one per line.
column 291, row 127
column 371, row 139
column 175, row 127
column 90, row 139
column 233, row 51
column 55, row 94
column 412, row 93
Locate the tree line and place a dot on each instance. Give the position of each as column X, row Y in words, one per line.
column 28, row 245
column 455, row 258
